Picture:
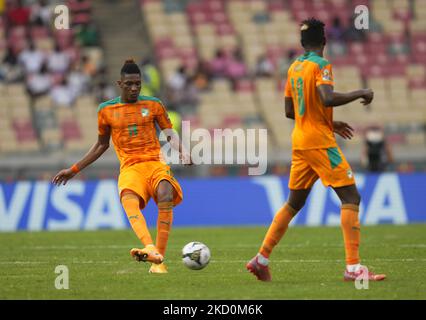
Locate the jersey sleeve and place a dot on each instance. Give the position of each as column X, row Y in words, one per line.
column 287, row 89
column 324, row 76
column 162, row 117
column 103, row 127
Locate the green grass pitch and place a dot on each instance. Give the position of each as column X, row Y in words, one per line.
column 307, row 264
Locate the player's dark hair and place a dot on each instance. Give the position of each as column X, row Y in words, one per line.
column 312, row 33
column 130, row 67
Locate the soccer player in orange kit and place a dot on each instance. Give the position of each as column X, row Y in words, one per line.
column 309, row 100
column 130, row 120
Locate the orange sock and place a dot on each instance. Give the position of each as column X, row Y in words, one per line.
column 277, row 229
column 351, row 232
column 164, row 224
column 130, row 203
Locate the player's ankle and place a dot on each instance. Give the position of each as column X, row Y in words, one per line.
column 262, row 260
column 353, row 267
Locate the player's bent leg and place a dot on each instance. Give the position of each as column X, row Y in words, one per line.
column 282, row 219
column 164, row 196
column 350, row 198
column 131, row 204
column 259, row 264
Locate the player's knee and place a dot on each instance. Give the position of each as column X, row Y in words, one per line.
column 357, row 198
column 164, row 192
column 353, row 198
column 297, row 205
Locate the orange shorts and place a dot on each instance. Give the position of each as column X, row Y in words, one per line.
column 328, row 164
column 143, row 178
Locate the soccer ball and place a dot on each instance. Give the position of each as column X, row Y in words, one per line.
column 195, row 255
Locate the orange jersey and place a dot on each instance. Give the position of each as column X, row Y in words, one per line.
column 132, row 127
column 314, row 121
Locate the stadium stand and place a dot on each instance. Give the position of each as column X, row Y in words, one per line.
column 390, row 58
column 235, row 56
column 46, row 112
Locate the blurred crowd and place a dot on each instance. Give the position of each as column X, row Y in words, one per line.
column 51, row 62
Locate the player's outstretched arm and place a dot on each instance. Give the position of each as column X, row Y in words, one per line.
column 289, row 107
column 330, row 98
column 176, row 144
column 92, row 155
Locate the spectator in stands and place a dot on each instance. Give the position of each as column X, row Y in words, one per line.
column 218, row 64
column 201, row 78
column 352, row 33
column 176, row 85
column 2, row 6
column 151, row 80
column 235, row 67
column 38, row 84
column 78, row 81
column 104, row 91
column 285, row 62
column 31, row 59
column 10, row 70
column 264, row 67
column 62, row 94
column 18, row 14
column 87, row 35
column 58, row 61
column 190, row 97
column 175, row 118
column 336, row 38
column 41, row 13
column 336, row 31
column 88, row 67
column 377, row 153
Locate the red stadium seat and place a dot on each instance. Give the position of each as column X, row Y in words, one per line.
column 417, row 84
column 17, row 33
column 166, row 52
column 224, row 29
column 76, row 6
column 39, row 33
column 215, row 5
column 198, row 18
column 232, row 121
column 81, row 18
column 70, row 130
column 275, row 5
column 24, row 130
column 244, row 85
column 219, row 18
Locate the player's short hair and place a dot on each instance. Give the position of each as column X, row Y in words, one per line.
column 130, row 67
column 312, row 33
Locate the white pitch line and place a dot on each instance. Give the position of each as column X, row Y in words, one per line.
column 217, row 261
column 298, row 245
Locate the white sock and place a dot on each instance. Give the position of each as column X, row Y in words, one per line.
column 353, row 267
column 262, row 260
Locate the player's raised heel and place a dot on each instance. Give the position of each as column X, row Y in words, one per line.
column 147, row 254
column 158, row 268
column 261, row 272
column 363, row 273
